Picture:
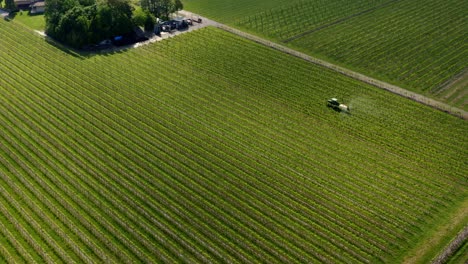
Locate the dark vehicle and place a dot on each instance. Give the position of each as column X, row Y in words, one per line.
column 105, row 44
column 180, row 23
column 90, row 47
column 128, row 39
column 157, row 30
column 198, row 20
column 134, row 36
column 167, row 26
column 175, row 24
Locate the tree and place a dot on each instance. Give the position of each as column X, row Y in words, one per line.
column 82, row 22
column 139, row 17
column 10, row 5
column 166, row 8
column 144, row 18
column 114, row 17
column 149, row 22
column 87, row 2
column 73, row 27
column 121, row 12
column 160, row 8
column 54, row 10
column 1, row 1
column 178, row 5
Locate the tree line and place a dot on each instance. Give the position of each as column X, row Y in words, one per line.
column 82, row 22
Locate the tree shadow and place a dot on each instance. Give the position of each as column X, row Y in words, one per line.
column 87, row 54
column 67, row 49
column 11, row 15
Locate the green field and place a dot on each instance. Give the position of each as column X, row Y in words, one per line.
column 418, row 45
column 229, row 11
column 210, row 148
column 294, row 18
column 36, row 22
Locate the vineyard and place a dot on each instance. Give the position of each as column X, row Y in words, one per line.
column 207, row 148
column 287, row 21
column 418, row 45
column 227, row 11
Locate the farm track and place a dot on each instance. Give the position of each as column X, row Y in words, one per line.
column 355, row 75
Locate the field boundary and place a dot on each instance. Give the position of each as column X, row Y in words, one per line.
column 430, row 248
column 453, row 247
column 341, row 20
column 449, row 83
column 358, row 76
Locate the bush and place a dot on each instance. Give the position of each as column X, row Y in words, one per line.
column 149, row 22
column 143, row 18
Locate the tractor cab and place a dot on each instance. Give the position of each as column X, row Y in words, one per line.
column 333, row 102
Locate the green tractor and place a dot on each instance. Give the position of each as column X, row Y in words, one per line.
column 337, row 106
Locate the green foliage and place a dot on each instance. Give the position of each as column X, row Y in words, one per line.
column 139, row 17
column 161, row 8
column 58, row 20
column 149, row 21
column 87, row 2
column 144, row 19
column 78, row 23
column 74, row 27
column 178, row 5
column 114, row 17
column 225, row 153
column 10, row 5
